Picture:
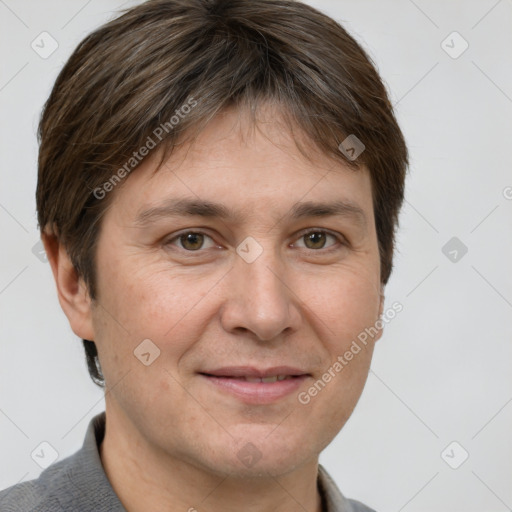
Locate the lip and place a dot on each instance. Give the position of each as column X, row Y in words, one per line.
column 251, row 371
column 228, row 380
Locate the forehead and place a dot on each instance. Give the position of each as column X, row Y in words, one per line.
column 236, row 168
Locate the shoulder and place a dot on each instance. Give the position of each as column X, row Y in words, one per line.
column 77, row 482
column 357, row 506
column 333, row 498
column 41, row 494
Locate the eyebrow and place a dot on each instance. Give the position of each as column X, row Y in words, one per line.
column 209, row 209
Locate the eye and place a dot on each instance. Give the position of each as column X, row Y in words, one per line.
column 317, row 239
column 191, row 241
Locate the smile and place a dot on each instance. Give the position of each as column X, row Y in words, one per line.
column 256, row 390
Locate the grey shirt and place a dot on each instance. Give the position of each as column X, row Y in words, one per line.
column 79, row 483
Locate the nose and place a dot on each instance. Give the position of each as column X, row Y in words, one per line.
column 260, row 299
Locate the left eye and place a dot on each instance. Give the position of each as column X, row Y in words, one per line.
column 317, row 239
column 191, row 240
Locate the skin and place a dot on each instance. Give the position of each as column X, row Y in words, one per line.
column 172, row 438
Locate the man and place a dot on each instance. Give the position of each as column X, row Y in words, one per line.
column 219, row 186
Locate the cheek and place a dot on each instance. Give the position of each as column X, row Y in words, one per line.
column 344, row 304
column 341, row 311
column 342, row 308
column 146, row 302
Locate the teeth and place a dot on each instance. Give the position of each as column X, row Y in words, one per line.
column 273, row 378
column 252, row 379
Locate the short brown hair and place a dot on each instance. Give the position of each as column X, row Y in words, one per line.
column 134, row 73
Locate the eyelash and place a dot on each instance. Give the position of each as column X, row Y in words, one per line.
column 342, row 241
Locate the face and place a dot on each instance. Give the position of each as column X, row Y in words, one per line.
column 223, row 262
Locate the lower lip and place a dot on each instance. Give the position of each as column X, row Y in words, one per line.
column 257, row 392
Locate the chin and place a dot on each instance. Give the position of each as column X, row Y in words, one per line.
column 261, row 469
column 264, row 456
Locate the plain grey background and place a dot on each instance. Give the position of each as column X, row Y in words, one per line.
column 440, row 388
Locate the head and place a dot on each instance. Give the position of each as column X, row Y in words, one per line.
column 174, row 106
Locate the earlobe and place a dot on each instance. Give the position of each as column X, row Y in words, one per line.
column 72, row 292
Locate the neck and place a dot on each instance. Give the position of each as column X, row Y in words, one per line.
column 144, row 479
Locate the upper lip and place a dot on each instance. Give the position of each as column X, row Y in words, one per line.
column 251, row 371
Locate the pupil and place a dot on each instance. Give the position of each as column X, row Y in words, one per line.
column 192, row 240
column 317, row 238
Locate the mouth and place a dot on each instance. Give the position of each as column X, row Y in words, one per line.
column 247, row 378
column 256, row 386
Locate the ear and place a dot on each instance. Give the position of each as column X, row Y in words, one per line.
column 382, row 300
column 71, row 289
column 381, row 310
